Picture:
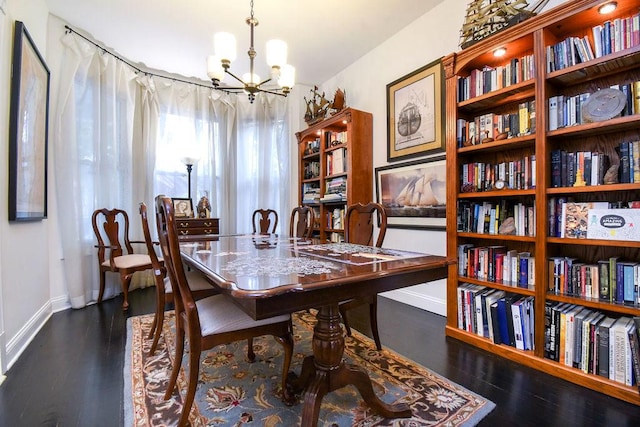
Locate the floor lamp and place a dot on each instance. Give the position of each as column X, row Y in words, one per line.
column 189, row 162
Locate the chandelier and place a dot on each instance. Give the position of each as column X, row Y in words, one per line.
column 225, row 52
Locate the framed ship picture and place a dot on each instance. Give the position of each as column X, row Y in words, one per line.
column 415, row 116
column 413, row 194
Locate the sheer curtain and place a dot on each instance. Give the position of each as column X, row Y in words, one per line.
column 119, row 135
column 261, row 159
column 92, row 139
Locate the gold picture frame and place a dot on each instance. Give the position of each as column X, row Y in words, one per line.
column 415, row 119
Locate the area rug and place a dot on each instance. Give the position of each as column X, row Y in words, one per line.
column 233, row 392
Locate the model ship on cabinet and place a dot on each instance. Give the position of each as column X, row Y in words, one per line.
column 486, row 17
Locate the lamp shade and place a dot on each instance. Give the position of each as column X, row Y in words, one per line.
column 287, row 76
column 214, row 68
column 276, row 53
column 224, row 45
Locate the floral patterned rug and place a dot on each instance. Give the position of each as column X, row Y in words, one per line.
column 234, row 392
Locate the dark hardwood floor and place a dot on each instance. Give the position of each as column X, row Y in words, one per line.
column 71, row 374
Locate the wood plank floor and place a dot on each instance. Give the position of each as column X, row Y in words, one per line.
column 71, row 374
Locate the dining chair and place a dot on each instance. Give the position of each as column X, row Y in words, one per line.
column 359, row 229
column 265, row 221
column 200, row 287
column 301, row 224
column 210, row 321
column 115, row 249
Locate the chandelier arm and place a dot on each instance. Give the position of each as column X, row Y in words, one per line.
column 234, row 76
column 272, row 92
column 263, row 82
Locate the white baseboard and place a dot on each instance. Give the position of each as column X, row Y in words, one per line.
column 419, row 300
column 60, row 304
column 19, row 343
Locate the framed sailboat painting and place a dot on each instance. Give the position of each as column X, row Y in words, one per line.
column 415, row 119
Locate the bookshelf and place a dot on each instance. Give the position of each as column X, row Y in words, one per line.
column 336, row 168
column 510, row 171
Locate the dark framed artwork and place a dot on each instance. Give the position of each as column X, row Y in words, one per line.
column 415, row 119
column 413, row 194
column 182, row 207
column 28, row 130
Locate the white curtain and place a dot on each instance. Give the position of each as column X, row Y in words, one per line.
column 119, row 137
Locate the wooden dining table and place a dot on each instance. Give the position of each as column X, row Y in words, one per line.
column 269, row 275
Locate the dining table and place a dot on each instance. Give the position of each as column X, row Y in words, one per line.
column 270, row 275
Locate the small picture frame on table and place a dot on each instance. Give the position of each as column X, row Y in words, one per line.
column 182, row 207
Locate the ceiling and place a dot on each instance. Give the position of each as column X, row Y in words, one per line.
column 324, row 36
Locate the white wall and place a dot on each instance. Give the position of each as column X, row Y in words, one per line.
column 24, row 247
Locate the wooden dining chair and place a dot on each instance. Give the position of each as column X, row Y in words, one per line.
column 265, row 221
column 301, row 224
column 200, row 287
column 210, row 321
column 359, row 229
column 115, row 250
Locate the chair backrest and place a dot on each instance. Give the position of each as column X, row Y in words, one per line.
column 359, row 224
column 106, row 226
column 301, row 225
column 265, row 221
column 155, row 262
column 170, row 248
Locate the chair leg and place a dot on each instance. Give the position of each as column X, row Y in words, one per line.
column 126, row 281
column 373, row 317
column 251, row 355
column 194, row 370
column 158, row 319
column 102, row 281
column 177, row 362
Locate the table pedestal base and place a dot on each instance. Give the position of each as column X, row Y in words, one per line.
column 325, row 371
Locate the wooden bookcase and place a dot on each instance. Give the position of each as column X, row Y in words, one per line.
column 335, row 155
column 533, row 38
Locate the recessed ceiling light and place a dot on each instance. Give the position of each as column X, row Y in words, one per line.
column 607, row 7
column 499, row 52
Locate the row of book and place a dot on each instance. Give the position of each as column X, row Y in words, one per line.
column 566, row 111
column 336, row 189
column 337, row 161
column 503, row 318
column 609, row 37
column 310, row 192
column 610, row 280
column 629, row 169
column 313, row 147
column 497, row 264
column 593, row 220
column 311, row 170
column 584, row 167
column 591, row 341
column 491, row 126
column 335, row 138
column 515, row 175
column 489, row 78
column 504, row 217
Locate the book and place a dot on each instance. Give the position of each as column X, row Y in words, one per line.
column 634, row 343
column 575, row 218
column 603, row 346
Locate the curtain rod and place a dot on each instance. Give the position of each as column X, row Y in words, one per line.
column 148, row 73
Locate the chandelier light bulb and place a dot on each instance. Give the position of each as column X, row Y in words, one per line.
column 224, row 45
column 276, row 53
column 249, row 78
column 214, row 68
column 287, row 76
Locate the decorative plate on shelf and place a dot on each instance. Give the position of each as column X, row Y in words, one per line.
column 604, row 104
